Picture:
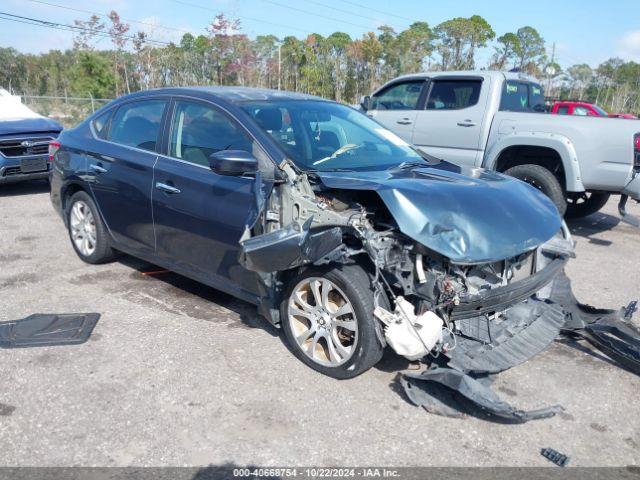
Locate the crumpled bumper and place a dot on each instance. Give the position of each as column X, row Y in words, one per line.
column 487, row 347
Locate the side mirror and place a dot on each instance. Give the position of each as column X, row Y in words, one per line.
column 233, row 163
column 365, row 102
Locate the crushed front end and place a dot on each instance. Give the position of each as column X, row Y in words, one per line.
column 463, row 317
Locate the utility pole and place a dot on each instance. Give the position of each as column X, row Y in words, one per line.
column 553, row 58
column 279, row 64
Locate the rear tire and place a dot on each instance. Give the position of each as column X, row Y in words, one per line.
column 586, row 203
column 87, row 232
column 543, row 180
column 346, row 344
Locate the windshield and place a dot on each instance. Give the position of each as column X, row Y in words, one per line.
column 600, row 111
column 326, row 136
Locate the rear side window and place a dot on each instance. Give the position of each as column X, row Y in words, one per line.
column 100, row 124
column 137, row 124
column 564, row 110
column 401, row 96
column 198, row 130
column 453, row 94
column 522, row 97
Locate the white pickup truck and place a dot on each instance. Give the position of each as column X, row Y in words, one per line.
column 497, row 120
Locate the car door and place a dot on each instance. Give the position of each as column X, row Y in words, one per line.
column 395, row 106
column 450, row 124
column 121, row 170
column 199, row 215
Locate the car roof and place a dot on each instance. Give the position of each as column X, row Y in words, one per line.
column 228, row 94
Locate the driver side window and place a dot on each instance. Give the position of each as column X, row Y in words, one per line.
column 400, row 96
column 198, row 130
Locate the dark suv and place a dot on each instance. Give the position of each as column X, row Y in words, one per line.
column 337, row 229
column 24, row 145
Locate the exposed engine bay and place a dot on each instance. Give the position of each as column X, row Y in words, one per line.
column 472, row 318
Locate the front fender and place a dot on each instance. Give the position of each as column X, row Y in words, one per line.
column 559, row 143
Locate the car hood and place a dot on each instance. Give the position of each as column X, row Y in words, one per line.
column 467, row 214
column 28, row 125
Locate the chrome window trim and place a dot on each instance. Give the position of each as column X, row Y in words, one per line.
column 169, row 98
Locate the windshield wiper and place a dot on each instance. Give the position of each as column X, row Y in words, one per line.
column 411, row 164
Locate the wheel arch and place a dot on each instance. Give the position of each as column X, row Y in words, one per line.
column 554, row 152
column 69, row 190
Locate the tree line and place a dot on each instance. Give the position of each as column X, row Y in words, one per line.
column 336, row 66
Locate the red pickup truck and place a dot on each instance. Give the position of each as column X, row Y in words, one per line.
column 585, row 109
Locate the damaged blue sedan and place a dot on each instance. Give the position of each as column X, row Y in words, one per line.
column 339, row 231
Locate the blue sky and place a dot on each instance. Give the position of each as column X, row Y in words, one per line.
column 586, row 31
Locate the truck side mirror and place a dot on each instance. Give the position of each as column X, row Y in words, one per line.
column 365, row 102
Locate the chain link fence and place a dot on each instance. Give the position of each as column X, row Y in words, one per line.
column 67, row 110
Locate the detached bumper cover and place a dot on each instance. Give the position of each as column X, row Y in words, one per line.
column 416, row 386
column 610, row 331
column 486, row 346
column 490, row 347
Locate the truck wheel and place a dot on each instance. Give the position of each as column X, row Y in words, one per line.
column 327, row 318
column 543, row 180
column 585, row 203
column 87, row 232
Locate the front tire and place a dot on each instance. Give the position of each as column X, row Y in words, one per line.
column 586, row 203
column 87, row 232
column 543, row 180
column 327, row 318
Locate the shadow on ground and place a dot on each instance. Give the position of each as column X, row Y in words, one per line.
column 24, row 188
column 245, row 311
column 592, row 225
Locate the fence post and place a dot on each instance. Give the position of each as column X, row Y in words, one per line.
column 93, row 109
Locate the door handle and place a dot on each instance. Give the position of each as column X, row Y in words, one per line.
column 404, row 121
column 167, row 188
column 467, row 123
column 97, row 168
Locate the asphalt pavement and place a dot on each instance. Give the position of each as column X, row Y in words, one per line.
column 177, row 373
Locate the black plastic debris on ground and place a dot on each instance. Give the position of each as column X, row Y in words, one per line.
column 448, row 392
column 555, row 456
column 610, row 331
column 40, row 330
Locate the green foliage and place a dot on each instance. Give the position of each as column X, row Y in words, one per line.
column 92, row 75
column 336, row 67
column 459, row 39
column 529, row 49
column 505, row 50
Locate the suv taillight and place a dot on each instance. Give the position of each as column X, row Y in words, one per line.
column 54, row 146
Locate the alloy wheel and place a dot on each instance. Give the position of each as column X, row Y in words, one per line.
column 83, row 228
column 323, row 321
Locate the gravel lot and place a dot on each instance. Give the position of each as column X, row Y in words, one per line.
column 176, row 373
